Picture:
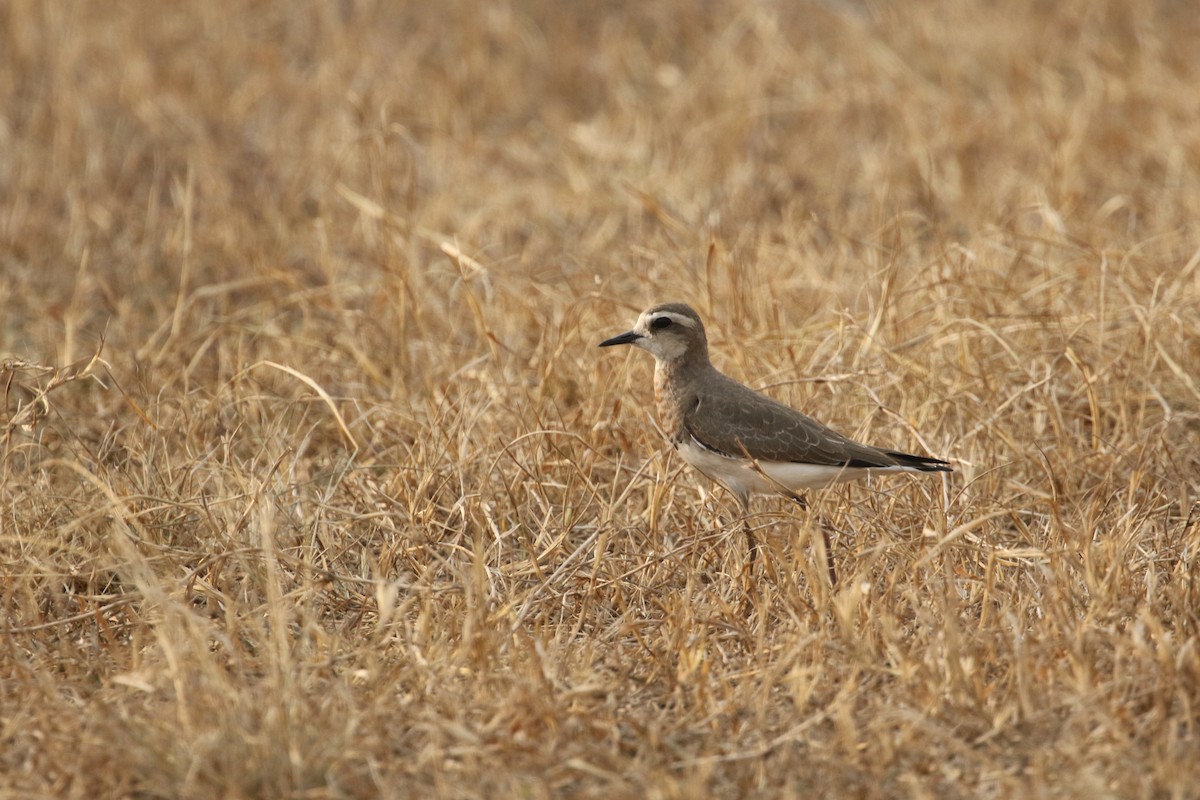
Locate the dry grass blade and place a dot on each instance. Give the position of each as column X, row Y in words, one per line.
column 472, row 568
column 324, row 395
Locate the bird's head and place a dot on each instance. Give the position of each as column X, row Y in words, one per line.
column 670, row 332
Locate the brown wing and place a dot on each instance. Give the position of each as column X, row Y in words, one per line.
column 735, row 420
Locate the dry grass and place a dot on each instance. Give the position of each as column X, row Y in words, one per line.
column 314, row 483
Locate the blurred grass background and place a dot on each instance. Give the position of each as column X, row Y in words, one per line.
column 315, row 485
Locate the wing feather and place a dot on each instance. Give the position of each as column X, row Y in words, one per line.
column 735, row 420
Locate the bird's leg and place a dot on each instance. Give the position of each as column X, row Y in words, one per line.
column 744, row 513
column 748, row 583
column 751, row 540
column 825, row 540
column 829, row 556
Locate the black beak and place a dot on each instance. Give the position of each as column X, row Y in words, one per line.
column 629, row 337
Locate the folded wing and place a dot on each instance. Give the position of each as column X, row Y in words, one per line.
column 737, row 421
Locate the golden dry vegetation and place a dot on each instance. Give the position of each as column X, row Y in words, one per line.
column 314, row 483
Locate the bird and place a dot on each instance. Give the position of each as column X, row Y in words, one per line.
column 741, row 438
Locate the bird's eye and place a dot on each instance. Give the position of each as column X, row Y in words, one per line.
column 660, row 323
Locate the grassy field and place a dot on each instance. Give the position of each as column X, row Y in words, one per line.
column 314, row 484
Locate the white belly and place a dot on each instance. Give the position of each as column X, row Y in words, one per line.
column 742, row 478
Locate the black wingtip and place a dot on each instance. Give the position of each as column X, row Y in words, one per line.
column 923, row 463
